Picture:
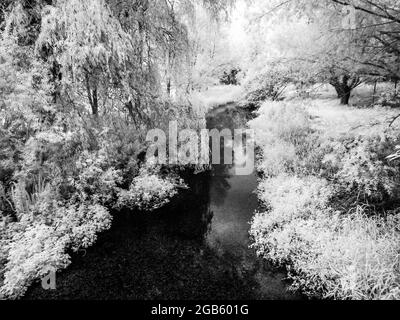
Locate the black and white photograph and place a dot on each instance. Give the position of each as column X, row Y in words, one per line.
column 199, row 151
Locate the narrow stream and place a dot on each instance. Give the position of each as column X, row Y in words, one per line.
column 232, row 197
column 233, row 202
column 195, row 248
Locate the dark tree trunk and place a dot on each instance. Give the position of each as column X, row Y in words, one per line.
column 92, row 96
column 343, row 86
column 345, row 98
column 169, row 87
column 337, row 89
column 374, row 94
column 56, row 76
column 95, row 105
column 343, row 92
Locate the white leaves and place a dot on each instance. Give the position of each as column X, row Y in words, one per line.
column 149, row 191
column 35, row 247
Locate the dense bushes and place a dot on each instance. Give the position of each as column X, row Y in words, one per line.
column 322, row 193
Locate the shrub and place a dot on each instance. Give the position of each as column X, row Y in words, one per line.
column 290, row 200
column 389, row 98
column 360, row 166
column 32, row 248
column 30, row 254
column 37, row 202
column 148, row 191
column 96, row 179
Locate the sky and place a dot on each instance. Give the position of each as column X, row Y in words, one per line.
column 237, row 32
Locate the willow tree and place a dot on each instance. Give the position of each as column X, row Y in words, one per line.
column 118, row 55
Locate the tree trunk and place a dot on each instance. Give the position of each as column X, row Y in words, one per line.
column 95, row 105
column 56, row 76
column 345, row 98
column 343, row 88
column 338, row 92
column 92, row 96
column 374, row 94
column 343, row 93
column 169, row 87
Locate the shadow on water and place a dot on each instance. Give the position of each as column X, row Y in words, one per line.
column 195, row 248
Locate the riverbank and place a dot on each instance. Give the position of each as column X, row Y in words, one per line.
column 332, row 198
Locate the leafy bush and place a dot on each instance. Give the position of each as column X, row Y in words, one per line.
column 149, row 191
column 30, row 254
column 389, row 98
column 96, row 180
column 34, row 247
column 361, row 167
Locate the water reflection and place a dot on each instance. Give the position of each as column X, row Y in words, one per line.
column 232, row 197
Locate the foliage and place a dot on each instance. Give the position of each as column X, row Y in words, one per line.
column 35, row 248
column 97, row 180
column 328, row 217
column 389, row 98
column 148, row 191
column 268, row 83
column 361, row 167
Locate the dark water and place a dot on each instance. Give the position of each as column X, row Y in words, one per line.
column 233, row 202
column 195, row 248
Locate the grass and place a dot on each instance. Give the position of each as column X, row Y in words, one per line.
column 336, row 119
